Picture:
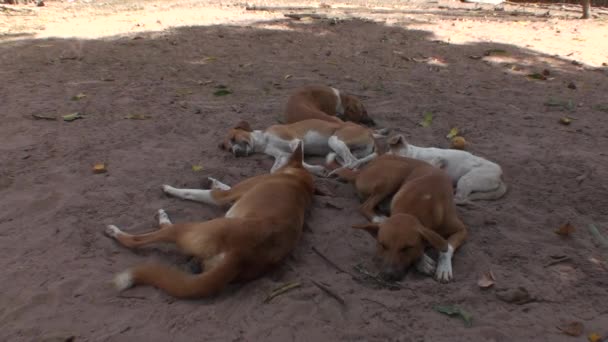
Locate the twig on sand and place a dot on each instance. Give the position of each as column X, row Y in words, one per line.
column 598, row 236
column 283, row 289
column 280, row 8
column 329, row 292
column 132, row 297
column 331, row 263
column 300, row 16
column 375, row 278
column 557, row 261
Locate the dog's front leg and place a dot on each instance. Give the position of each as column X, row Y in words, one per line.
column 279, row 161
column 364, row 160
column 197, row 195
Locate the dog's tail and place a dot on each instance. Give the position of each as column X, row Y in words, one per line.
column 490, row 195
column 178, row 283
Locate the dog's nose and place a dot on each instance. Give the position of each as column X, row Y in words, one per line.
column 390, row 275
column 369, row 122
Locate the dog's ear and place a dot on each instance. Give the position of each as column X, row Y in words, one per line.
column 396, row 140
column 371, row 228
column 434, row 239
column 244, row 125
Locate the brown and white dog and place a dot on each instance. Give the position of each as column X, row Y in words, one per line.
column 422, row 211
column 352, row 144
column 325, row 103
column 261, row 228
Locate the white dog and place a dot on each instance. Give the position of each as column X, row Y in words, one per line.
column 475, row 178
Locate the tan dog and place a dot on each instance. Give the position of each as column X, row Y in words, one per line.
column 325, row 103
column 260, row 229
column 353, row 144
column 422, row 210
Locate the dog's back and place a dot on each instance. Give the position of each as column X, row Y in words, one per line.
column 312, row 102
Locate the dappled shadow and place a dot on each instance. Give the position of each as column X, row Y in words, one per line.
column 555, row 173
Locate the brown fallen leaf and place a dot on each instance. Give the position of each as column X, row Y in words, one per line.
column 565, row 121
column 565, row 230
column 486, row 280
column 594, row 337
column 99, row 168
column 79, row 96
column 572, row 328
column 519, row 295
column 458, row 143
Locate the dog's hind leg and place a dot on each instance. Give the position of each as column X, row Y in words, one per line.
column 342, row 151
column 482, row 183
column 166, row 233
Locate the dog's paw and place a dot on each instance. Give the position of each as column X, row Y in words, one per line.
column 123, row 281
column 168, row 189
column 426, row 265
column 216, row 184
column 443, row 274
column 112, row 231
column 162, row 217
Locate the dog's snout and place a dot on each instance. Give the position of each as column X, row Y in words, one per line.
column 238, row 151
column 369, row 121
column 391, row 273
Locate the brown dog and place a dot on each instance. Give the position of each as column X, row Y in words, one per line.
column 352, row 144
column 325, row 103
column 260, row 229
column 422, row 210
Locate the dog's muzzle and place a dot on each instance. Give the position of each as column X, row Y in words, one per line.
column 240, row 151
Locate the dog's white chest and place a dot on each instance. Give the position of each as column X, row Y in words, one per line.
column 315, row 144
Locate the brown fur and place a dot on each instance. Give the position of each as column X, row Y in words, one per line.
column 266, row 222
column 319, row 102
column 422, row 209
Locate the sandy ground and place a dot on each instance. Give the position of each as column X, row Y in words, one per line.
column 164, row 60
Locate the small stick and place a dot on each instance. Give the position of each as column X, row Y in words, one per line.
column 377, row 279
column 557, row 261
column 132, row 297
column 329, row 292
column 598, row 236
column 314, row 249
column 279, row 291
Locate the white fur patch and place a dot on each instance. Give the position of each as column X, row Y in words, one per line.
column 123, row 281
column 113, row 231
column 163, row 218
column 379, row 219
column 196, row 195
column 216, row 184
column 339, row 106
column 444, row 265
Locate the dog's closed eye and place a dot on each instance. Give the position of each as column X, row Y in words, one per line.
column 404, row 249
column 383, row 246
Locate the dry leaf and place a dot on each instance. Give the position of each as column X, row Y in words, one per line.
column 573, row 329
column 565, row 230
column 72, row 117
column 458, row 143
column 453, row 133
column 565, row 121
column 197, row 168
column 495, row 52
column 537, row 76
column 79, row 96
column 593, row 337
column 288, row 77
column 455, row 311
column 428, row 119
column 137, row 117
column 486, row 280
column 99, row 168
